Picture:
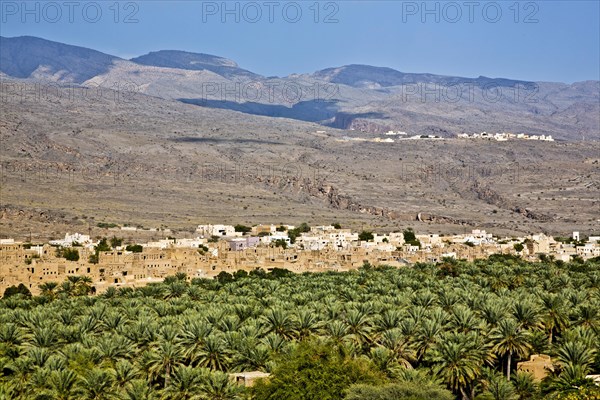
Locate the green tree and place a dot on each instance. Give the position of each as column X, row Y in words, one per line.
column 115, row 242
column 242, row 228
column 365, row 236
column 315, row 371
column 410, row 237
column 135, row 248
column 401, row 390
column 279, row 243
column 510, row 340
column 69, row 254
column 16, row 290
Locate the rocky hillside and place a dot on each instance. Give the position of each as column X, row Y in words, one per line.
column 148, row 161
column 32, row 57
column 362, row 98
column 193, row 62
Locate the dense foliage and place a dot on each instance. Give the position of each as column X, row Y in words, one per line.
column 451, row 330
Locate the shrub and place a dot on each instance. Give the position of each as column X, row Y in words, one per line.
column 68, row 254
column 315, row 371
column 136, row 248
column 366, row 236
column 401, row 390
column 15, row 290
column 242, row 228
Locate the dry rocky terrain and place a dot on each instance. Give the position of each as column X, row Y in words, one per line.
column 69, row 163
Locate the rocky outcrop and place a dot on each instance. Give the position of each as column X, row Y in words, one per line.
column 335, row 199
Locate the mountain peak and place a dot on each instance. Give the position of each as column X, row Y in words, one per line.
column 29, row 56
column 182, row 60
column 192, row 61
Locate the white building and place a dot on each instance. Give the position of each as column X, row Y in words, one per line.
column 161, row 244
column 312, row 242
column 70, row 239
column 274, row 237
column 589, row 250
column 216, row 230
column 196, row 242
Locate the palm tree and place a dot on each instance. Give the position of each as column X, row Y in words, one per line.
column 572, row 378
column 139, row 390
column 21, row 369
column 509, row 339
column 186, row 384
column 162, row 359
column 493, row 312
column 359, row 326
column 124, row 372
column 428, row 334
column 389, row 319
column 307, row 323
column 252, row 357
column 525, row 385
column 499, row 389
column 280, row 322
column 38, row 356
column 62, row 384
column 193, row 336
column 114, row 320
column 218, row 386
column 96, row 384
column 464, row 320
column 457, row 367
column 460, row 359
column 527, row 314
column 114, row 347
column 45, row 336
column 577, row 353
column 11, row 337
column 588, row 315
column 384, row 359
column 399, row 345
column 274, row 343
column 213, row 354
column 48, row 289
column 83, row 285
column 555, row 314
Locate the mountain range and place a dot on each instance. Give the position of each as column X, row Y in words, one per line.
column 177, row 139
column 360, row 98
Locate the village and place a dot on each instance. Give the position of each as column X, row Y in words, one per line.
column 504, row 136
column 215, row 249
column 402, row 136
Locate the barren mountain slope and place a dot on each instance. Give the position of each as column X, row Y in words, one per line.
column 357, row 97
column 131, row 158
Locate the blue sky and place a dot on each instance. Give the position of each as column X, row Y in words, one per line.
column 531, row 40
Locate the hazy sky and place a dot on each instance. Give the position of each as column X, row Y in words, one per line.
column 531, row 40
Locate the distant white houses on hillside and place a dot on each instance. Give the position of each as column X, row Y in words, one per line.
column 215, row 230
column 70, row 239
